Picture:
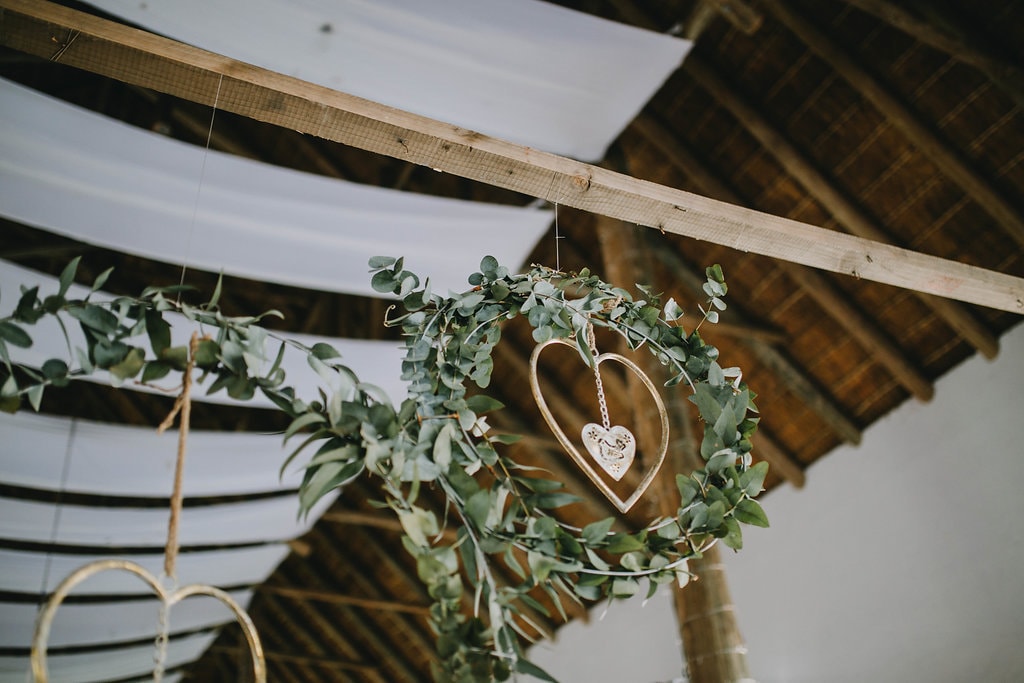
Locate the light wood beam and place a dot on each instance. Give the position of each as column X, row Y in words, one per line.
column 302, row 660
column 832, row 300
column 347, row 600
column 948, row 37
column 141, row 58
column 948, row 160
column 845, row 211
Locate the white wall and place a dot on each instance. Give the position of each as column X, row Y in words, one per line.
column 901, row 560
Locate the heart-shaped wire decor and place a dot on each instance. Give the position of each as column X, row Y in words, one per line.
column 167, row 597
column 622, row 504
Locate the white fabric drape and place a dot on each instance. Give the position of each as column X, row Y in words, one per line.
column 254, row 521
column 95, row 179
column 525, row 71
column 120, row 460
column 108, row 664
column 114, row 622
column 375, row 362
column 23, row 570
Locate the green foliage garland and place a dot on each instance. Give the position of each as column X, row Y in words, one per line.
column 439, row 434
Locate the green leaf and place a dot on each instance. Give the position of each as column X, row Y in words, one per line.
column 481, row 403
column 623, row 587
column 624, row 543
column 750, row 512
column 524, row 666
column 721, row 460
column 94, row 317
column 478, row 507
column 734, row 534
column 418, row 524
column 154, row 370
column 56, row 371
column 688, row 489
column 378, row 262
column 67, row 275
column 324, row 351
column 159, row 331
column 383, row 281
column 752, row 481
column 130, row 366
column 206, row 353
column 101, row 279
column 35, row 396
column 596, row 532
column 215, row 297
column 302, row 421
column 15, row 335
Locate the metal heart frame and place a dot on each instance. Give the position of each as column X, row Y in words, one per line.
column 623, row 505
column 169, row 598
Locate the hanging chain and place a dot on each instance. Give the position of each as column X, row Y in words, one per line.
column 592, row 341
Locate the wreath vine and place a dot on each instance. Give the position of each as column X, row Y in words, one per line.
column 439, row 434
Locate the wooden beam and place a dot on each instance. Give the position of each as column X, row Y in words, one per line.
column 141, row 58
column 301, row 660
column 347, row 600
column 845, row 211
column 831, row 299
column 949, row 161
column 950, row 37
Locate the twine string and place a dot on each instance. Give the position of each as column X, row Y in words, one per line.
column 182, row 405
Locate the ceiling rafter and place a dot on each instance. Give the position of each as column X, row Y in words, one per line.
column 951, row 37
column 306, row 661
column 149, row 60
column 832, row 301
column 847, row 212
column 948, row 160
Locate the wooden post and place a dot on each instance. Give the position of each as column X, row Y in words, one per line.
column 712, row 643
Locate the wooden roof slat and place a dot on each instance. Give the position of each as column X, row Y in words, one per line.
column 335, row 598
column 832, row 301
column 302, row 660
column 947, row 159
column 949, row 37
column 845, row 210
column 145, row 59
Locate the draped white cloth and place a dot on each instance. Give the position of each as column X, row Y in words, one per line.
column 95, row 179
column 23, row 571
column 375, row 362
column 252, row 521
column 108, row 664
column 118, row 460
column 114, row 622
column 525, row 71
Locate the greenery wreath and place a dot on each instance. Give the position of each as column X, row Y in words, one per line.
column 439, row 434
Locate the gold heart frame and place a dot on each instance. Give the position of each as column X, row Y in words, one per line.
column 169, row 598
column 623, row 505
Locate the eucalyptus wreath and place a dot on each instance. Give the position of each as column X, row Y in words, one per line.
column 439, row 435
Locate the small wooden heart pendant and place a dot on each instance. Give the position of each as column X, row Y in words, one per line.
column 613, row 449
column 167, row 597
column 615, row 457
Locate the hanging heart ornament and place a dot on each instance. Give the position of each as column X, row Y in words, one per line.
column 169, row 598
column 612, row 448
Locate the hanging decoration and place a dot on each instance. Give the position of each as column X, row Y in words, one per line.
column 169, row 596
column 612, row 448
column 439, row 434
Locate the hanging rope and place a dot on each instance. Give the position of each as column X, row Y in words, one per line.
column 183, row 405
